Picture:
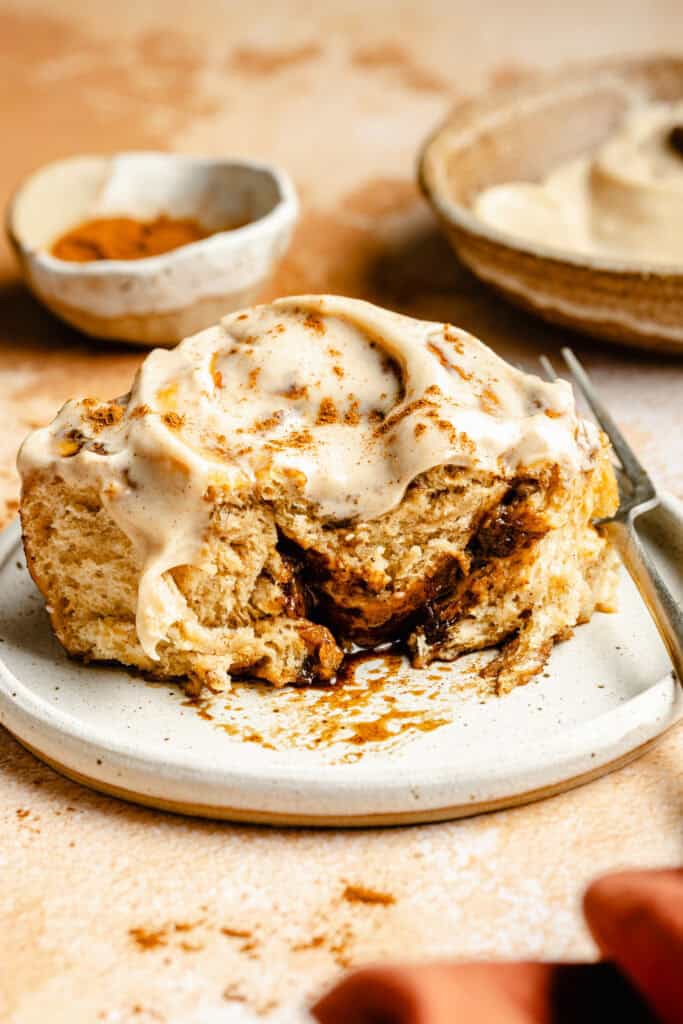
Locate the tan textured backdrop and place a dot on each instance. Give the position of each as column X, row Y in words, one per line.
column 111, row 913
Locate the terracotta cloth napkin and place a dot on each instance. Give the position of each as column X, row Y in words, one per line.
column 636, row 918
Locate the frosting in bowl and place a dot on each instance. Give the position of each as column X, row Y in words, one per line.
column 328, row 401
column 623, row 200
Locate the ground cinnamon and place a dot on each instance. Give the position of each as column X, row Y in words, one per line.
column 124, row 238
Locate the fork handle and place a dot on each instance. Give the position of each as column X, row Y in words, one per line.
column 666, row 612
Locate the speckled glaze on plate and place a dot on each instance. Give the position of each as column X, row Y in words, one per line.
column 391, row 746
column 521, row 133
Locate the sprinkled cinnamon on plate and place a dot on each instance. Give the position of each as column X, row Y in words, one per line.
column 149, row 938
column 236, row 933
column 185, row 926
column 313, row 943
column 362, row 894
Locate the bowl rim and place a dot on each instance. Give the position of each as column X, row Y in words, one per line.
column 283, row 213
column 456, row 214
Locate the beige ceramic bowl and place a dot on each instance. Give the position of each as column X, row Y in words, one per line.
column 522, row 133
column 160, row 299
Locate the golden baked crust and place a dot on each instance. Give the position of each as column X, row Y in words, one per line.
column 464, row 562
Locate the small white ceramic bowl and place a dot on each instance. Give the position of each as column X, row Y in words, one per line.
column 160, row 299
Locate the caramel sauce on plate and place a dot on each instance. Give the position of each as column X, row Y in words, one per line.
column 357, row 713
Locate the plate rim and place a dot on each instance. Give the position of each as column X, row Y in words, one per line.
column 279, row 819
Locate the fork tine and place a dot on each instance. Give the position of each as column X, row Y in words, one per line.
column 548, row 368
column 623, row 450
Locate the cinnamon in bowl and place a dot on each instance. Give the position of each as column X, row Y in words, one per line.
column 124, row 238
column 150, row 247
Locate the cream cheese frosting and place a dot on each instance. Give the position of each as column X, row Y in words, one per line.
column 623, row 200
column 331, row 400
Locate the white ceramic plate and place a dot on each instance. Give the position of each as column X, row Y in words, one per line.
column 393, row 746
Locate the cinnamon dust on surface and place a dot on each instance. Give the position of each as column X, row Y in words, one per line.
column 363, row 894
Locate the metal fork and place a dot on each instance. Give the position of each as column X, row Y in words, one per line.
column 637, row 494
